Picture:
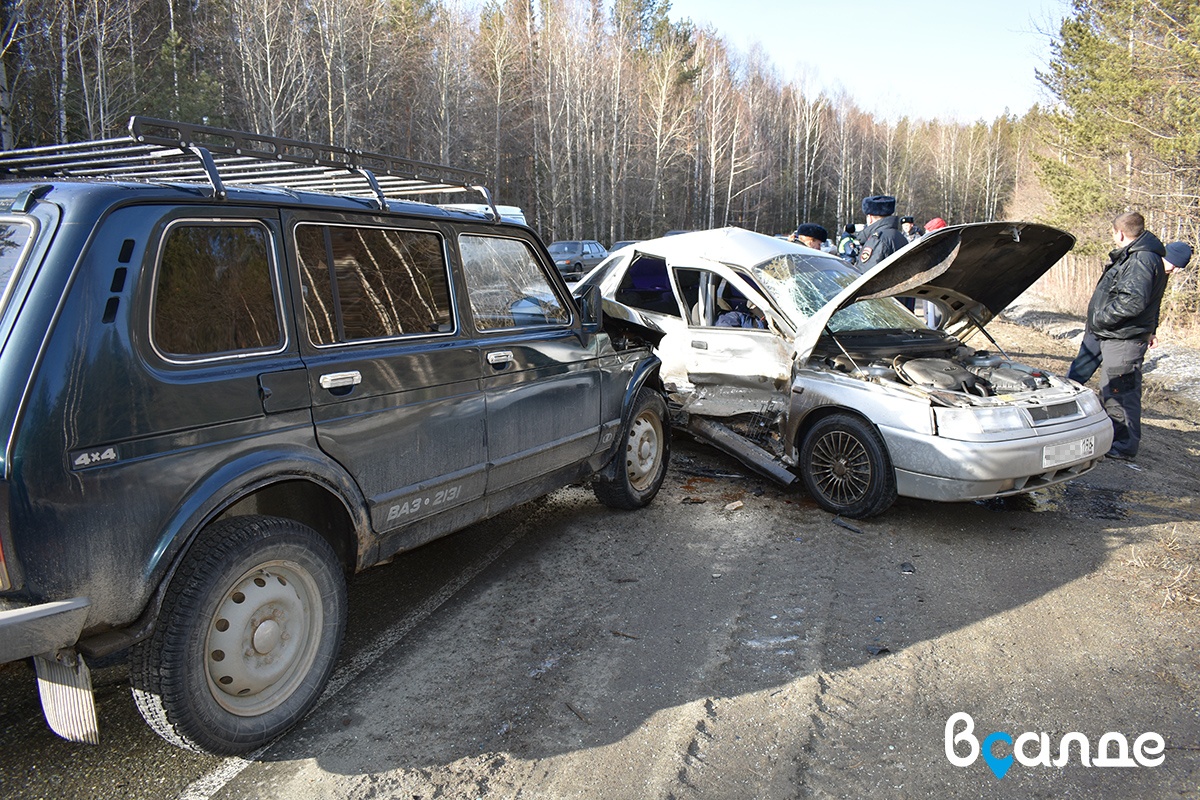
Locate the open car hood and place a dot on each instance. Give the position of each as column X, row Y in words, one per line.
column 973, row 272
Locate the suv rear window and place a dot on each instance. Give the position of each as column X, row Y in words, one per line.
column 13, row 238
column 383, row 283
column 215, row 293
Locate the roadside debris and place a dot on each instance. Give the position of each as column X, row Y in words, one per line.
column 846, row 525
column 734, row 506
column 579, row 714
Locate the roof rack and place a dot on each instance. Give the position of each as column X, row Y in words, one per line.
column 165, row 151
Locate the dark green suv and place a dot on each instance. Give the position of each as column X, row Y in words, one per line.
column 237, row 369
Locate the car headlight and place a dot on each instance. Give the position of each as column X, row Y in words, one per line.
column 1089, row 402
column 954, row 422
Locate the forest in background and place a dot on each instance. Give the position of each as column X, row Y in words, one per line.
column 610, row 119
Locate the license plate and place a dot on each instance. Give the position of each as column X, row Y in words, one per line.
column 1055, row 454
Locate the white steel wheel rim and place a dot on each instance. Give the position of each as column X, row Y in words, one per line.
column 643, row 450
column 263, row 639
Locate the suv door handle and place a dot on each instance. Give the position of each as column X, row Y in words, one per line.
column 500, row 357
column 336, row 380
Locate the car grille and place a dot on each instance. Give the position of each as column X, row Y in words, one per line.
column 1048, row 413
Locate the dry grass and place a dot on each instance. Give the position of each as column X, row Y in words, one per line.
column 1170, row 567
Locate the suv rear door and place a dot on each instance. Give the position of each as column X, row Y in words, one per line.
column 394, row 381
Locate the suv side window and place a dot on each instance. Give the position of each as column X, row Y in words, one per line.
column 383, row 283
column 215, row 292
column 506, row 284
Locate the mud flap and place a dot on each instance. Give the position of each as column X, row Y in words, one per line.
column 65, row 685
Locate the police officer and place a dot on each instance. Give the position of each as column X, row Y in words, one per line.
column 882, row 236
column 848, row 245
column 811, row 235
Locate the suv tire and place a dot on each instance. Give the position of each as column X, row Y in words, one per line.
column 247, row 637
column 636, row 472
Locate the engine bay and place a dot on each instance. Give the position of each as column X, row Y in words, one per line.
column 951, row 367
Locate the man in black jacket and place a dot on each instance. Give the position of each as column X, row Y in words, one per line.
column 1122, row 320
column 882, row 236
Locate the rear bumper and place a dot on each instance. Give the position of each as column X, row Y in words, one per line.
column 32, row 630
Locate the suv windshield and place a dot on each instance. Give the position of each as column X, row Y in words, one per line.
column 803, row 286
column 13, row 238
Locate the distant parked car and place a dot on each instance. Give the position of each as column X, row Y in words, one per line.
column 623, row 243
column 575, row 258
column 829, row 379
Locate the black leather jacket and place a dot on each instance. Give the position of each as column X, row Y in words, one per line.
column 881, row 238
column 1125, row 303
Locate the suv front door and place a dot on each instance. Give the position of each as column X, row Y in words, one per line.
column 540, row 374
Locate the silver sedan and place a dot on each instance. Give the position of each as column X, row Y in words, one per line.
column 805, row 369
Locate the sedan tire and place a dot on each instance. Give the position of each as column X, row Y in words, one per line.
column 845, row 467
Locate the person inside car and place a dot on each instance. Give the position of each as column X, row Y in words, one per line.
column 752, row 317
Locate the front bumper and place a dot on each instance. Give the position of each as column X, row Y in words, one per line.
column 935, row 468
column 32, row 630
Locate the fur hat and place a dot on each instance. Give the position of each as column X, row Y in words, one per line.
column 1179, row 254
column 881, row 205
column 934, row 224
column 812, row 231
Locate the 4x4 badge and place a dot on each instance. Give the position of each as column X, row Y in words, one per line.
column 88, row 458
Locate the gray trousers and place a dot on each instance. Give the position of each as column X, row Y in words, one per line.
column 1120, row 363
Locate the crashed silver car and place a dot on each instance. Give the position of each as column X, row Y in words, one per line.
column 829, row 378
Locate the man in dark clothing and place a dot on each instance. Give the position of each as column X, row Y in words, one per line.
column 1122, row 320
column 882, row 236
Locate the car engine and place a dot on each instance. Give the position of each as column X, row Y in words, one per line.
column 978, row 373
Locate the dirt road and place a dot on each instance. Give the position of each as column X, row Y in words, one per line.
column 734, row 641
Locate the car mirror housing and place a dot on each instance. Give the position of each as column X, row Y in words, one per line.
column 590, row 308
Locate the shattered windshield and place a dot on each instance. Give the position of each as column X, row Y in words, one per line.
column 803, row 285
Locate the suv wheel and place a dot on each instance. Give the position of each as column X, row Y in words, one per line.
column 246, row 639
column 636, row 472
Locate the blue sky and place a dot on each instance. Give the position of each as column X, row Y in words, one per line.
column 963, row 60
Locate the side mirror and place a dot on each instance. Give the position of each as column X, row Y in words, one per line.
column 591, row 308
